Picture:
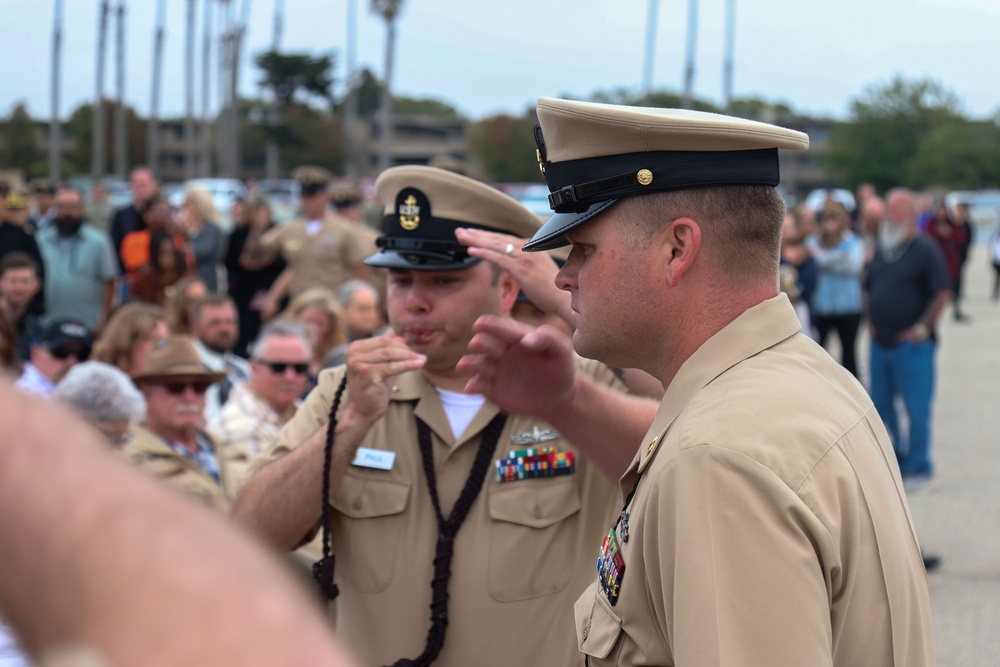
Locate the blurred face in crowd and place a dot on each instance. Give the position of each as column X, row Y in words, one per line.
column 175, row 405
column 317, row 322
column 43, row 202
column 143, row 185
column 18, row 216
column 217, row 327
column 158, row 215
column 69, row 212
column 314, row 205
column 18, row 287
column 55, row 362
column 280, row 369
column 99, row 192
column 166, row 256
column 140, row 350
column 900, row 222
column 361, row 315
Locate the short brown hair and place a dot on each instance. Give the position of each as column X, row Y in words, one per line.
column 18, row 260
column 742, row 224
column 210, row 299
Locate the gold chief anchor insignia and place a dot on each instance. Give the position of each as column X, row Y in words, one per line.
column 409, row 214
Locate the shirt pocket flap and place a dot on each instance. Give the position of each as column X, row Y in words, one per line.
column 367, row 498
column 535, row 503
column 597, row 625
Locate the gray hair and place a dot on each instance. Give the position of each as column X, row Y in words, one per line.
column 352, row 287
column 283, row 327
column 101, row 392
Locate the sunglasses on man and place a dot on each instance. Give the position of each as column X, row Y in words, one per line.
column 178, row 387
column 279, row 367
column 64, row 353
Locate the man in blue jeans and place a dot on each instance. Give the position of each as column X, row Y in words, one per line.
column 908, row 287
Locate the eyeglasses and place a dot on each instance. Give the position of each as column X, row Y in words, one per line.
column 64, row 353
column 177, row 388
column 279, row 367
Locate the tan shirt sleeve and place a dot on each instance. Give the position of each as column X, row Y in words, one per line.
column 270, row 242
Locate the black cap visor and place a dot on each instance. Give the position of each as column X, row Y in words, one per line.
column 553, row 233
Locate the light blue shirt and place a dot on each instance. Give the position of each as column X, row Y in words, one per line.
column 838, row 285
column 77, row 269
column 33, row 382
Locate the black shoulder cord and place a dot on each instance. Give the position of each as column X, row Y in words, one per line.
column 323, row 568
column 447, row 527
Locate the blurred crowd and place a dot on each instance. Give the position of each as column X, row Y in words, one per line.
column 189, row 347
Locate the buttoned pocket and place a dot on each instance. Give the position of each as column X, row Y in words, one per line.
column 372, row 513
column 598, row 627
column 533, row 537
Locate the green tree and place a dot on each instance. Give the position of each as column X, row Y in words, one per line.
column 80, row 128
column 308, row 136
column 887, row 125
column 424, row 106
column 959, row 155
column 505, row 146
column 289, row 75
column 21, row 148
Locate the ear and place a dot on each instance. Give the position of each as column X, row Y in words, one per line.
column 680, row 245
column 509, row 289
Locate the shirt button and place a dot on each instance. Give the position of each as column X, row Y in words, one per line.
column 586, row 632
column 356, row 504
column 453, row 459
column 538, row 512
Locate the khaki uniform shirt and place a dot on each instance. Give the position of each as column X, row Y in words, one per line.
column 769, row 526
column 326, row 258
column 151, row 453
column 525, row 552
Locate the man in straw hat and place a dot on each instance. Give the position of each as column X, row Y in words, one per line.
column 171, row 443
column 438, row 498
column 763, row 520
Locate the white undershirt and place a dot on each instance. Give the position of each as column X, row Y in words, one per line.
column 313, row 227
column 460, row 409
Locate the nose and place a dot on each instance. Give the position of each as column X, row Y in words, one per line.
column 416, row 298
column 567, row 275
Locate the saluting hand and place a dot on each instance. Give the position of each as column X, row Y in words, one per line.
column 371, row 365
column 523, row 369
column 535, row 272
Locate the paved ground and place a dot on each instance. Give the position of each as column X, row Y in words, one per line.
column 960, row 520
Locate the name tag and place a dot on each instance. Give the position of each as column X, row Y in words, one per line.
column 379, row 459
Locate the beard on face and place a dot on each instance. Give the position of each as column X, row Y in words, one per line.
column 67, row 225
column 891, row 236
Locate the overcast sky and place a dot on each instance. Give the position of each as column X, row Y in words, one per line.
column 485, row 58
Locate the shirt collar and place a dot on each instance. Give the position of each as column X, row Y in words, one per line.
column 758, row 328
